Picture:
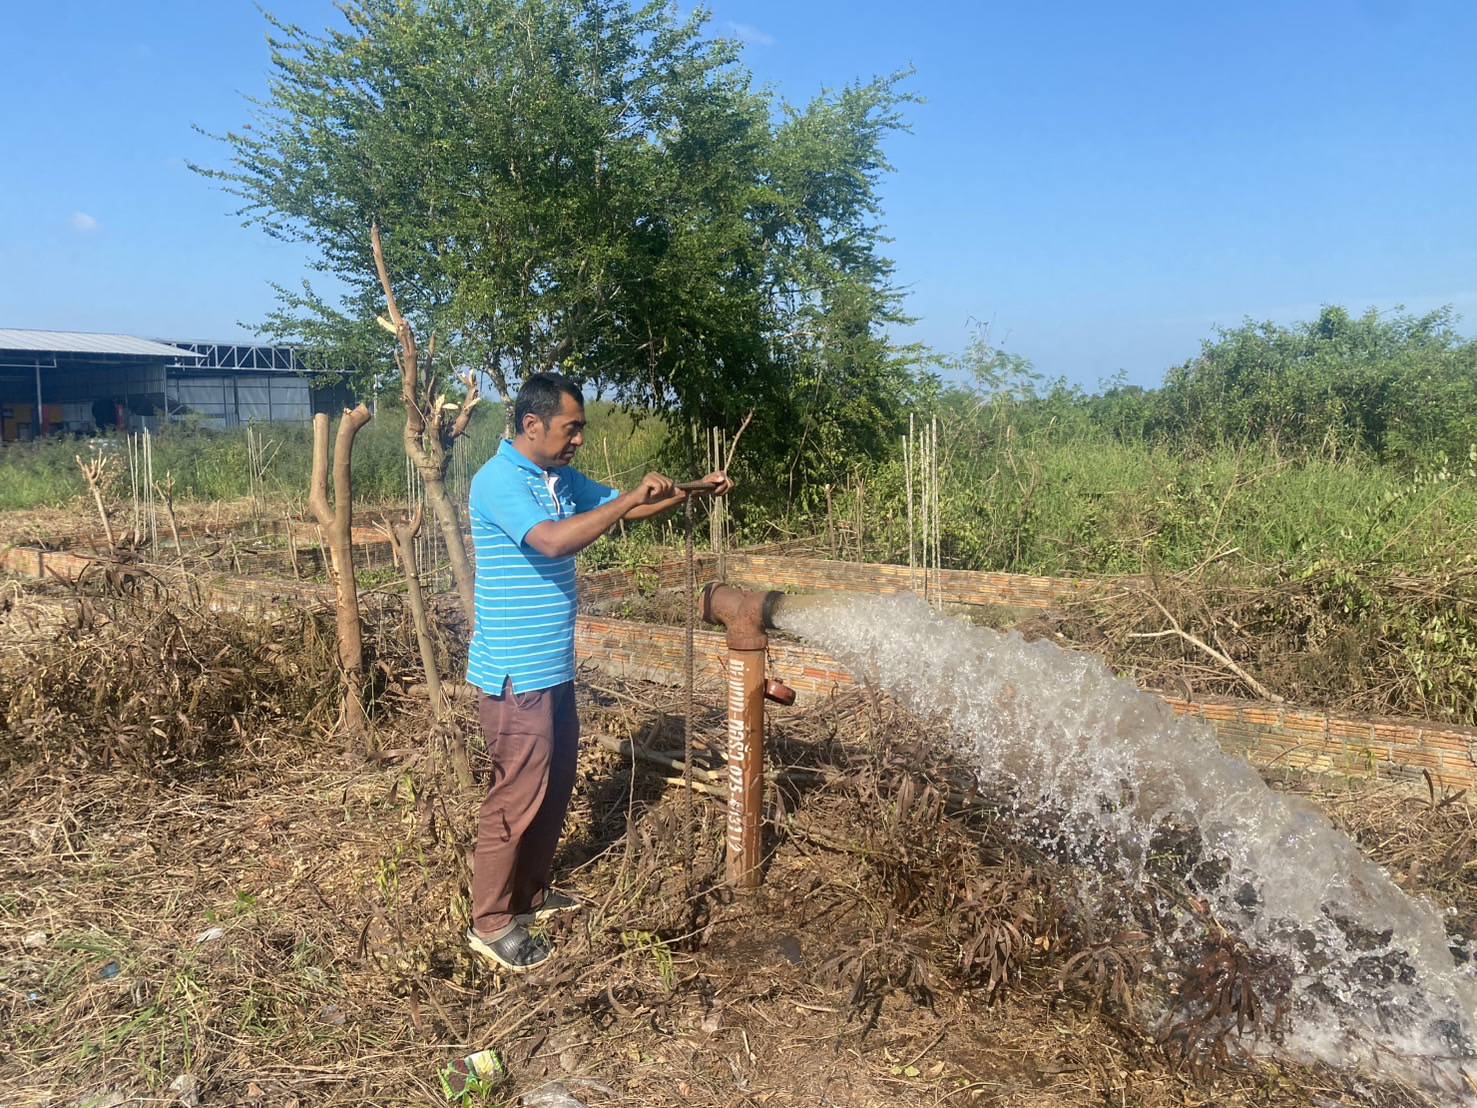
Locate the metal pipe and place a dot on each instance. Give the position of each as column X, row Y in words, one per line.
column 745, row 767
column 745, row 615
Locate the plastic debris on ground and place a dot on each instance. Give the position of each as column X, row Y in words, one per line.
column 473, row 1074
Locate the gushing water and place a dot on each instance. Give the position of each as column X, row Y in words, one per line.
column 1374, row 980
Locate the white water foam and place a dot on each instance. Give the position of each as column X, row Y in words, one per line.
column 1375, row 984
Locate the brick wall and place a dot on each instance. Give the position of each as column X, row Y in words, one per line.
column 1305, row 738
column 27, row 561
column 601, row 586
column 1266, row 734
column 306, row 532
column 627, row 648
column 757, row 569
column 956, row 586
column 604, row 585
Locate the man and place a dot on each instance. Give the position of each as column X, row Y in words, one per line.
column 531, row 513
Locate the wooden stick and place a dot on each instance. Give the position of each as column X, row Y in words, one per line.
column 610, row 475
column 166, row 493
column 830, row 525
column 715, row 524
column 403, row 538
column 616, row 746
column 908, row 486
column 733, row 446
column 133, row 484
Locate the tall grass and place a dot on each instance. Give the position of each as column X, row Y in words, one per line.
column 1091, row 504
column 1064, row 501
column 1064, row 507
column 213, row 465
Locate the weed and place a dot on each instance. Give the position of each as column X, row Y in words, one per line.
column 260, row 1013
column 476, row 1080
column 387, row 875
column 113, row 1037
column 661, row 954
column 374, row 578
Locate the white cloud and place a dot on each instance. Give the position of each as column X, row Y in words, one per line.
column 84, row 223
column 747, row 32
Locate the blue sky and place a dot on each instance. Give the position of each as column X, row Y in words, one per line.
column 1101, row 184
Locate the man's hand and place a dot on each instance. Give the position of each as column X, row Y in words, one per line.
column 717, row 483
column 653, row 489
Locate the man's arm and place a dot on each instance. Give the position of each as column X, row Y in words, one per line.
column 716, row 484
column 656, row 507
column 563, row 537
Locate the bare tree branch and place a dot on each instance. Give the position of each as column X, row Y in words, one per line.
column 1175, row 629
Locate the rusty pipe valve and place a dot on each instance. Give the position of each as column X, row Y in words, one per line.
column 744, row 614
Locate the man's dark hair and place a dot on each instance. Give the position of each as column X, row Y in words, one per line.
column 541, row 396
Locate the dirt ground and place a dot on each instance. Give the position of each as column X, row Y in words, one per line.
column 206, row 898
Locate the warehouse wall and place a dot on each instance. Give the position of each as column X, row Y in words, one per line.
column 231, row 400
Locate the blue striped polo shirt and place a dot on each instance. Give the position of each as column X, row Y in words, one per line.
column 525, row 600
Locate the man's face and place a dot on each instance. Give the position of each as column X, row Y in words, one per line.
column 555, row 445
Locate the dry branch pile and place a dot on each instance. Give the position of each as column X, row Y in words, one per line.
column 1370, row 642
column 149, row 680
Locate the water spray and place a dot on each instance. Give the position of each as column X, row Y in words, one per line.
column 1108, row 775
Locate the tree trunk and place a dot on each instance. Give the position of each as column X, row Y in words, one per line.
column 404, row 538
column 431, row 431
column 450, row 523
column 338, row 522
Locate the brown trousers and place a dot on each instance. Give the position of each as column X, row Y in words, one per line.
column 533, row 739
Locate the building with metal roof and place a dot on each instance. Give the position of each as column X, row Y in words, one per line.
column 83, row 342
column 77, row 382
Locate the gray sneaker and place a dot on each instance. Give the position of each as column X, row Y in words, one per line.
column 554, row 902
column 514, row 951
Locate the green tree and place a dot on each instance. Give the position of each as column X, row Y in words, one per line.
column 594, row 186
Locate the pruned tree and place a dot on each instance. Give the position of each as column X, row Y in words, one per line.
column 337, row 522
column 433, row 423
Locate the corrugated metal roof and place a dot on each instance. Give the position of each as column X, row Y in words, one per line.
column 87, row 342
